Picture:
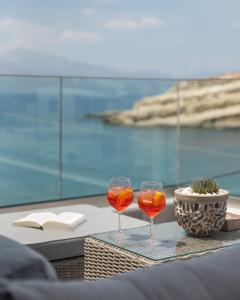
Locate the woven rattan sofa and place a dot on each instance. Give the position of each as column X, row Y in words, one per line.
column 25, row 275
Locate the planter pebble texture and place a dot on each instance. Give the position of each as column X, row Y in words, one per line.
column 200, row 214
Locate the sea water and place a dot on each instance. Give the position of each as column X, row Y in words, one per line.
column 51, row 149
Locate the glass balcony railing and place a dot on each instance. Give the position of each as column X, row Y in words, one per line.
column 210, row 131
column 64, row 137
column 29, row 139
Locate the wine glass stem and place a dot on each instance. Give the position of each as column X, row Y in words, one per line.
column 119, row 222
column 151, row 229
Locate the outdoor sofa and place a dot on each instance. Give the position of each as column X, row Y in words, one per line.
column 25, row 275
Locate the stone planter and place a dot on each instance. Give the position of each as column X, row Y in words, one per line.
column 200, row 214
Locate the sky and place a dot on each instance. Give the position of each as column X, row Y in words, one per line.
column 176, row 37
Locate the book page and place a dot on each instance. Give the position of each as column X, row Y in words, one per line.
column 66, row 219
column 37, row 218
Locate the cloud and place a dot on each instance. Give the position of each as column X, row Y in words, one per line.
column 133, row 24
column 81, row 36
column 15, row 33
column 87, row 12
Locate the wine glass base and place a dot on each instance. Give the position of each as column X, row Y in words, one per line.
column 152, row 242
column 120, row 237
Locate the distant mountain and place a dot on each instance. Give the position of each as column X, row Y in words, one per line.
column 23, row 61
column 26, row 62
column 149, row 74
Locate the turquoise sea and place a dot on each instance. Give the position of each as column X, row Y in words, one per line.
column 49, row 149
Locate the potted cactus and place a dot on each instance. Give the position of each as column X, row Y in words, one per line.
column 200, row 208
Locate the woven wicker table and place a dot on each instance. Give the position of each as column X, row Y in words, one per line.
column 111, row 253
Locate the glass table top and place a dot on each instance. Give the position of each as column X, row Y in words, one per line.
column 170, row 241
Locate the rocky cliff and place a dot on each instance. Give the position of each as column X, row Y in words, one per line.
column 212, row 102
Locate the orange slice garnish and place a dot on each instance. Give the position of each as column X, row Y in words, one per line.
column 125, row 195
column 159, row 199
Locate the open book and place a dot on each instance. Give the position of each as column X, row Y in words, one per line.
column 48, row 220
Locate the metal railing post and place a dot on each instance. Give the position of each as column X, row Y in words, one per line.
column 60, row 188
column 178, row 136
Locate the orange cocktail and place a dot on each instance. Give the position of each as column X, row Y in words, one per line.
column 151, row 202
column 120, row 197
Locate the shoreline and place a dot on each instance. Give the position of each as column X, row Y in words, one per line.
column 211, row 104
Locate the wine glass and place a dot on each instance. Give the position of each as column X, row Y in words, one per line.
column 120, row 195
column 151, row 200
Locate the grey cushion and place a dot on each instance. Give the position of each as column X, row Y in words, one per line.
column 214, row 276
column 20, row 262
